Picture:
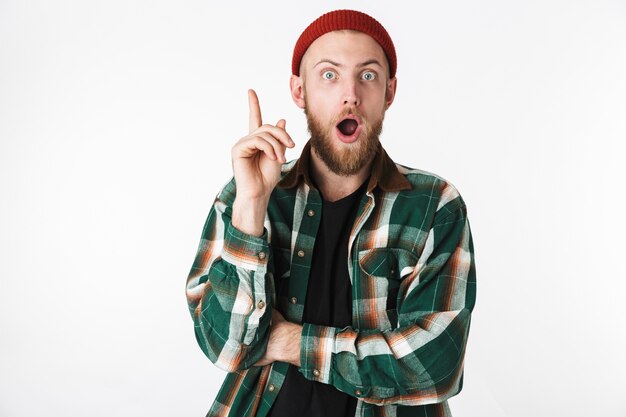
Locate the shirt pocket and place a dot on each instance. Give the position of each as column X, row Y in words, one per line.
column 384, row 270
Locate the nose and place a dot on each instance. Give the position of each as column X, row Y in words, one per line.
column 351, row 96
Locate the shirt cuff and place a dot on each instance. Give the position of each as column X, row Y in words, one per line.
column 244, row 250
column 316, row 351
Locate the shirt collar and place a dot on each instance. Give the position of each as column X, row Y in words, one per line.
column 384, row 173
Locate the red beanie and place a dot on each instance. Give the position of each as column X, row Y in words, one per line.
column 344, row 19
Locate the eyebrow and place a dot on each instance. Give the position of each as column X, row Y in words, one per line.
column 363, row 64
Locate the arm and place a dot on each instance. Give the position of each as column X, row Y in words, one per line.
column 229, row 291
column 421, row 361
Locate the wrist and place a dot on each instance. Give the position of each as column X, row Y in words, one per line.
column 295, row 337
column 249, row 215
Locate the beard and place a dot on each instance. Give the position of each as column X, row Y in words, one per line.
column 349, row 159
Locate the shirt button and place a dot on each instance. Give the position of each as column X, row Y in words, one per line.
column 393, row 271
column 357, row 392
column 271, row 387
column 261, row 255
column 294, row 300
column 310, row 213
column 316, row 372
column 261, row 304
column 301, row 253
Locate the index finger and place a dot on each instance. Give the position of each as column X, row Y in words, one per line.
column 255, row 111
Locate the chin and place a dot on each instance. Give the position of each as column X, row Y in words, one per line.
column 344, row 159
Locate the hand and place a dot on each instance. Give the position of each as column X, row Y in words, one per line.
column 257, row 159
column 284, row 343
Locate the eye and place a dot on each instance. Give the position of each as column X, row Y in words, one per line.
column 328, row 75
column 368, row 75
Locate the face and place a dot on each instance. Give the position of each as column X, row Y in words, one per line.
column 344, row 89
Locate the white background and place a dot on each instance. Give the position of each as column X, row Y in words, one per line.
column 116, row 122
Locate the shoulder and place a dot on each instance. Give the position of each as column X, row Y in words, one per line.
column 433, row 189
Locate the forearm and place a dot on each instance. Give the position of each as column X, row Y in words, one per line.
column 417, row 364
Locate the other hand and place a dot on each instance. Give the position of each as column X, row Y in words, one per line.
column 284, row 343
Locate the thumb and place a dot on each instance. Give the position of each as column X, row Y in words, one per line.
column 281, row 123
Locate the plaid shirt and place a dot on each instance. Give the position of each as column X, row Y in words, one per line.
column 411, row 265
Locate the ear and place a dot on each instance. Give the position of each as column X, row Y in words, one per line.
column 296, row 84
column 391, row 91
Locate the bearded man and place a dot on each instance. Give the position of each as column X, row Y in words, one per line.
column 341, row 283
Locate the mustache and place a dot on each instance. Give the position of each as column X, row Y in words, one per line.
column 366, row 125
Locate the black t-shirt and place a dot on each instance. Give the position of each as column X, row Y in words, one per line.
column 328, row 303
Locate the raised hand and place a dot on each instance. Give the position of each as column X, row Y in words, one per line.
column 257, row 159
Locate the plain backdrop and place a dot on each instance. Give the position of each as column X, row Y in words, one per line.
column 116, row 123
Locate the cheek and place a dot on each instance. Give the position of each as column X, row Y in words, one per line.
column 322, row 117
column 378, row 103
column 320, row 106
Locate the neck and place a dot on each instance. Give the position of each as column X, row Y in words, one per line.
column 333, row 186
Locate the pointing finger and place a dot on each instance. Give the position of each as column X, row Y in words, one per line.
column 255, row 111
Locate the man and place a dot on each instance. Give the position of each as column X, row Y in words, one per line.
column 339, row 284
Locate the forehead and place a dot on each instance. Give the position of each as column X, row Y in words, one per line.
column 346, row 47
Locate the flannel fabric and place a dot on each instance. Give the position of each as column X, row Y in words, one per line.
column 411, row 265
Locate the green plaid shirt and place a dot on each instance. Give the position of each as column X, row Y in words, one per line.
column 411, row 265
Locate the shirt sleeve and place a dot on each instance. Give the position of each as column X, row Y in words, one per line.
column 229, row 290
column 420, row 361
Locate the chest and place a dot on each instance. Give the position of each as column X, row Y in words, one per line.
column 383, row 247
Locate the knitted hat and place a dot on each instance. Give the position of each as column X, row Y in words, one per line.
column 344, row 19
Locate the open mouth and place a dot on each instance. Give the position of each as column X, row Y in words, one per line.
column 348, row 128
